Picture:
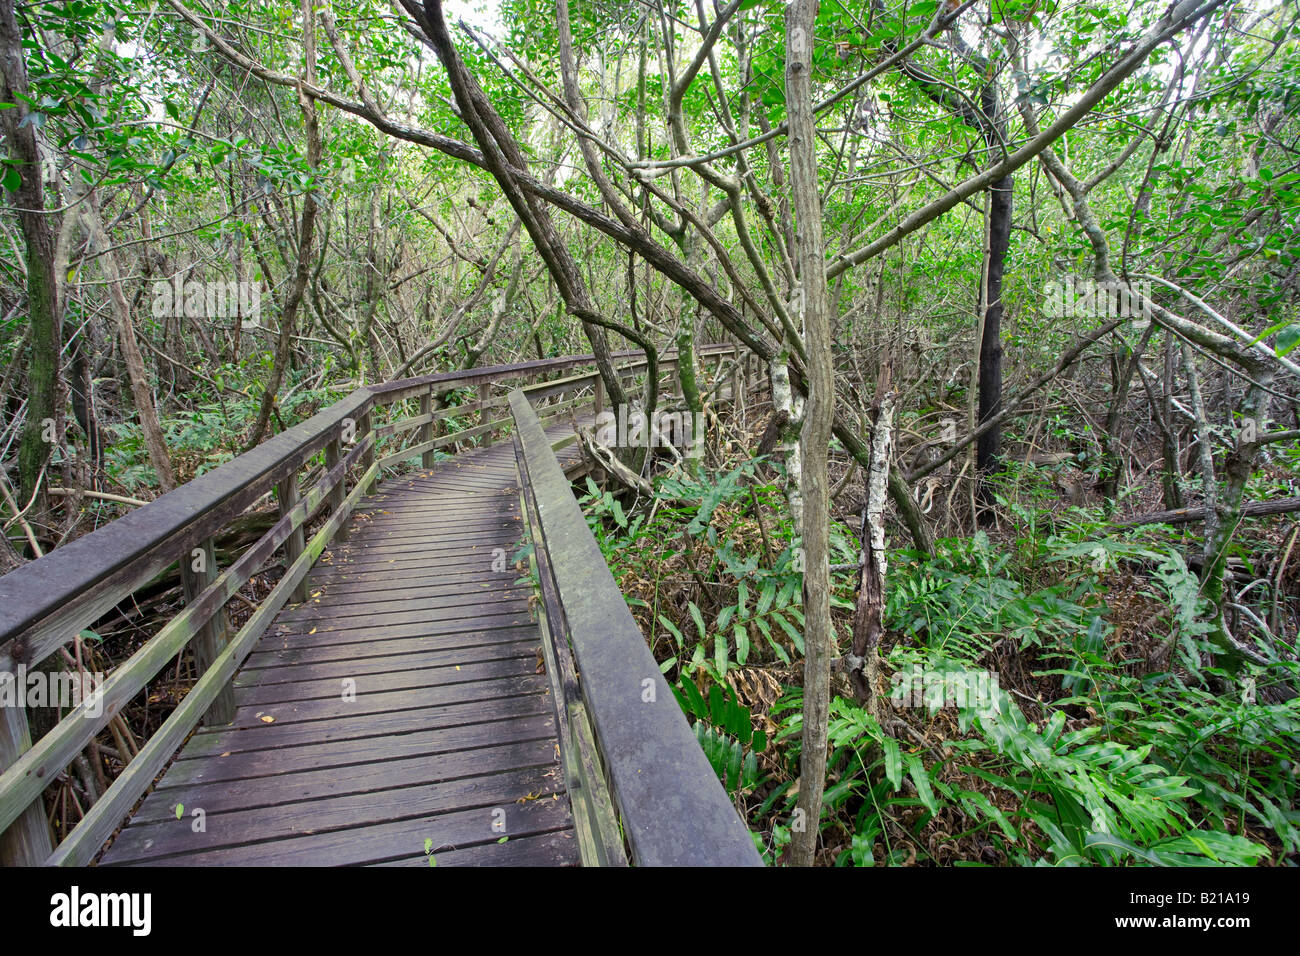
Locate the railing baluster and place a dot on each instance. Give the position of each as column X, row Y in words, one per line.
column 427, row 430
column 211, row 640
column 333, row 453
column 287, row 494
column 27, row 840
column 485, row 413
column 368, row 456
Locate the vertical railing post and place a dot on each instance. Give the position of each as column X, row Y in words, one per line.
column 333, row 455
column 198, row 571
column 367, row 456
column 737, row 377
column 27, row 841
column 485, row 413
column 286, row 492
column 427, row 430
column 598, row 402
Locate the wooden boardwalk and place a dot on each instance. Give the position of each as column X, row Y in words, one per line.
column 404, row 704
column 402, row 695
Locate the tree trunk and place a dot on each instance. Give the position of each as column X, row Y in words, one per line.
column 990, row 361
column 867, row 625
column 801, row 17
column 137, row 374
column 306, row 233
column 44, row 312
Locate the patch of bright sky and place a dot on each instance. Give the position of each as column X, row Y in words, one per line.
column 483, row 15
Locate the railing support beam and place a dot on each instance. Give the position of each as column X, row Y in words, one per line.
column 333, row 454
column 196, row 574
column 27, row 840
column 427, row 431
column 485, row 413
column 286, row 492
column 368, row 456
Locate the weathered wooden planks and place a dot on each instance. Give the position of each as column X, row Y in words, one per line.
column 419, row 612
column 400, row 701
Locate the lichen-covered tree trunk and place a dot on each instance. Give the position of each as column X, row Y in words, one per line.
column 864, row 669
column 1228, row 503
column 43, row 308
column 687, row 377
column 788, row 411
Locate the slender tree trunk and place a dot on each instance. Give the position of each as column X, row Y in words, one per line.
column 306, row 234
column 499, row 311
column 1228, row 504
column 137, row 374
column 867, row 625
column 1172, row 473
column 990, row 362
column 783, row 438
column 1124, row 369
column 43, row 307
column 801, row 17
column 503, row 156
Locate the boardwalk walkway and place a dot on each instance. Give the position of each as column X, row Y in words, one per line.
column 402, row 703
column 403, row 694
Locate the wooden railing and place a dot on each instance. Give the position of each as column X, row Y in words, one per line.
column 634, row 769
column 46, row 603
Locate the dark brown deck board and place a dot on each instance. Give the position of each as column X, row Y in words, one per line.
column 359, row 778
column 391, row 841
column 324, row 814
column 331, row 708
column 367, row 725
column 381, row 648
column 450, row 719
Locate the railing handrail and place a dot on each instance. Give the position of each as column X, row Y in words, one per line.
column 54, row 588
column 60, row 588
column 492, row 373
column 673, row 807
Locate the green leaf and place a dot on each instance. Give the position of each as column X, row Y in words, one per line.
column 1287, row 340
column 916, row 770
column 893, row 762
column 699, row 620
column 717, row 706
column 672, row 629
column 693, row 700
column 796, row 637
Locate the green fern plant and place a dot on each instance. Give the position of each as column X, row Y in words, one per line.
column 725, row 730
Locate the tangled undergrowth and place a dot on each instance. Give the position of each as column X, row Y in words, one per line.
column 1051, row 696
